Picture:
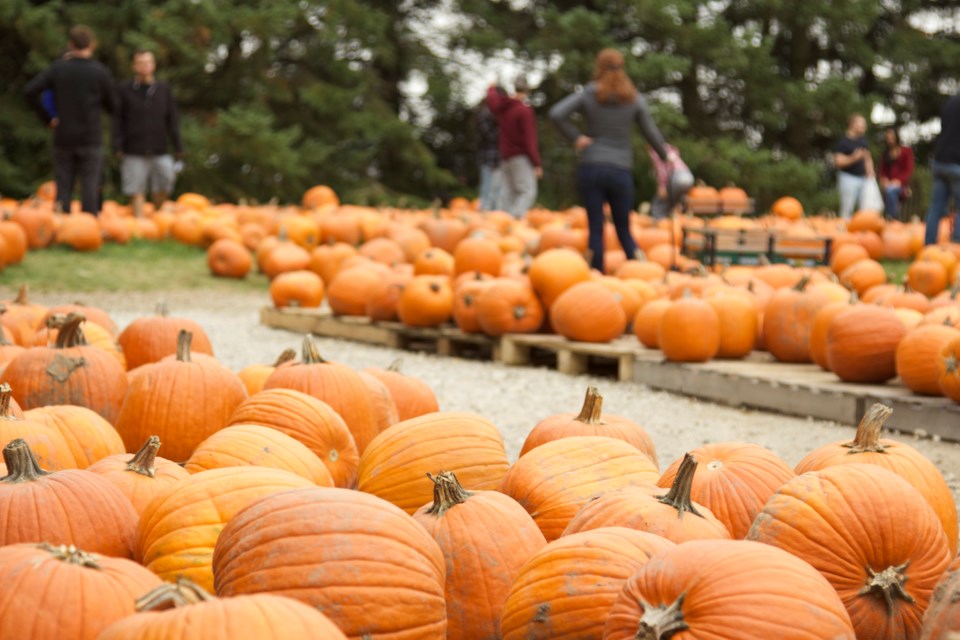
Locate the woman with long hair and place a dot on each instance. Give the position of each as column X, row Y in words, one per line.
column 610, row 106
column 896, row 170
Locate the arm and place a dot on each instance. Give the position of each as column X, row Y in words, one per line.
column 108, row 93
column 907, row 154
column 116, row 130
column 495, row 101
column 33, row 91
column 649, row 128
column 530, row 137
column 173, row 124
column 844, row 160
column 560, row 115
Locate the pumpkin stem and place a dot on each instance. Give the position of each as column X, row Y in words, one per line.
column 679, row 495
column 6, row 395
column 21, row 464
column 661, row 623
column 70, row 334
column 162, row 309
column 3, row 338
column 311, row 354
column 21, row 295
column 889, row 583
column 804, row 281
column 184, row 340
column 169, row 596
column 519, row 312
column 592, row 407
column 143, row 461
column 868, row 431
column 951, row 362
column 395, row 365
column 447, row 493
column 71, row 555
column 288, row 355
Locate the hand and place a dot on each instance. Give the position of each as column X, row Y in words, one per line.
column 54, row 123
column 870, row 173
column 582, row 142
column 538, row 171
column 672, row 156
column 894, row 183
column 662, row 193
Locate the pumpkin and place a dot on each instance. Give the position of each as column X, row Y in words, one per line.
column 150, row 339
column 62, row 591
column 739, row 325
column 949, row 370
column 228, row 258
column 788, row 322
column 466, row 295
column 689, row 330
column 640, row 270
column 671, row 515
column 426, row 301
column 284, row 257
column 942, row 618
column 500, row 536
column 383, row 250
column 49, row 446
column 928, row 276
column 555, row 479
column 395, row 464
column 870, row 534
column 308, row 420
column 196, row 615
column 94, row 315
column 846, row 255
column 862, row 344
column 821, row 323
column 254, row 376
column 477, row 254
column 72, row 507
column 565, row 590
column 87, row 434
column 142, row 476
column 38, row 223
column 22, row 317
column 80, row 232
column 337, row 531
column 434, row 262
column 242, row 445
column 787, row 207
column 351, row 287
column 868, row 448
column 916, row 357
column 15, row 239
column 326, row 259
column 554, row 271
column 646, row 325
column 93, row 334
column 684, row 592
column 303, row 289
column 507, row 306
column 413, row 397
column 319, row 196
column 588, row 312
column 70, row 372
column 591, row 421
column 385, row 297
column 733, row 480
column 179, row 527
column 862, row 275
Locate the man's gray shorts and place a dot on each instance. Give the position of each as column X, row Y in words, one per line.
column 140, row 172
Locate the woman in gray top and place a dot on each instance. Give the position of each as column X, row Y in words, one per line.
column 610, row 105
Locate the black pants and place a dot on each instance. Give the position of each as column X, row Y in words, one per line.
column 86, row 163
column 599, row 184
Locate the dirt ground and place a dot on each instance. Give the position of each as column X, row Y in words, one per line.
column 513, row 398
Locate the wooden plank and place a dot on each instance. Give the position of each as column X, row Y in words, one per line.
column 276, row 318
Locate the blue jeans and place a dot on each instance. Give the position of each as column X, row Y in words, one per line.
column 946, row 183
column 490, row 179
column 891, row 202
column 598, row 184
column 851, row 189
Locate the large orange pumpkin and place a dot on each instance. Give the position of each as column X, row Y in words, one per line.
column 255, row 375
column 916, row 357
column 88, row 435
column 739, row 325
column 949, row 369
column 426, row 301
column 646, row 325
column 689, row 331
column 788, row 322
column 942, row 619
column 303, row 289
column 507, row 306
column 49, row 446
column 413, row 397
column 556, row 270
column 588, row 312
column 862, row 344
column 152, row 338
column 821, row 323
column 477, row 254
column 142, row 476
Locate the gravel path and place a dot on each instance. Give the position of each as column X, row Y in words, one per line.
column 513, row 398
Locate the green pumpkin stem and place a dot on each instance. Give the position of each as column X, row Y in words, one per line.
column 144, row 460
column 71, row 555
column 311, row 354
column 288, row 355
column 592, row 407
column 22, row 465
column 183, row 593
column 184, row 340
column 70, row 333
column 679, row 495
column 447, row 493
column 867, row 438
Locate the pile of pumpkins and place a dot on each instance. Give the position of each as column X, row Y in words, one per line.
column 173, row 498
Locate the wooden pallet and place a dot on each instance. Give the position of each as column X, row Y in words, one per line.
column 571, row 357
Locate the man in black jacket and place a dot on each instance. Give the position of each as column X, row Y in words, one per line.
column 82, row 91
column 145, row 121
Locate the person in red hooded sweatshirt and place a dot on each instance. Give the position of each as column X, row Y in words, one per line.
column 519, row 155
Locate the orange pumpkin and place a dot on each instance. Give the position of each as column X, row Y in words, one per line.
column 507, row 306
column 254, row 376
column 556, row 270
column 303, row 289
column 88, row 435
column 646, row 326
column 949, row 369
column 689, row 331
column 588, row 312
column 738, row 325
column 413, row 397
column 150, row 339
column 426, row 301
column 928, row 276
column 916, row 357
column 228, row 258
column 142, row 476
column 788, row 322
column 477, row 254
column 862, row 344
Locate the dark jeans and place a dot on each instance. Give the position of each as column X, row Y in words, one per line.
column 946, row 184
column 598, row 184
column 85, row 163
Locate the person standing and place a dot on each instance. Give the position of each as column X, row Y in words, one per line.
column 610, row 105
column 81, row 91
column 665, row 200
column 854, row 164
column 519, row 153
column 946, row 171
column 489, row 159
column 145, row 124
column 896, row 169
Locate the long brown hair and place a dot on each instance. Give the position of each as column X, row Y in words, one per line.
column 613, row 83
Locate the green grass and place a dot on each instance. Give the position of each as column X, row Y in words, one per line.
column 896, row 270
column 138, row 266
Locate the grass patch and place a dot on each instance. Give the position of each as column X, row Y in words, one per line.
column 896, row 270
column 140, row 265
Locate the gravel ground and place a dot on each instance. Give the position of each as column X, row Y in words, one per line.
column 513, row 398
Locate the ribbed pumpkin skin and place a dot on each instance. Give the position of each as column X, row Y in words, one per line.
column 335, row 532
column 554, row 480
column 340, row 387
column 308, row 420
column 89, row 436
column 182, row 402
column 848, row 519
column 917, row 357
column 776, row 595
column 138, row 488
column 733, row 480
column 384, row 408
column 245, row 445
column 259, row 617
column 566, row 589
column 179, row 528
column 508, row 306
column 943, row 615
column 646, row 325
column 54, row 598
column 818, row 334
column 150, row 339
column 485, row 540
column 862, row 344
column 49, row 446
column 788, row 322
column 395, row 465
column 588, row 312
column 689, row 331
column 413, row 397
